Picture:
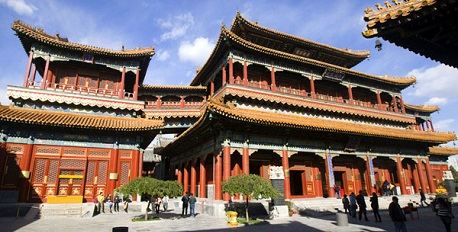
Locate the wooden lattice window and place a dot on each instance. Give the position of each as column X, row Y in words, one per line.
column 90, row 172
column 73, row 151
column 43, row 150
column 103, row 172
column 72, row 163
column 124, row 174
column 39, row 171
column 53, row 171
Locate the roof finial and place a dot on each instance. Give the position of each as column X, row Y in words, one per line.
column 122, row 48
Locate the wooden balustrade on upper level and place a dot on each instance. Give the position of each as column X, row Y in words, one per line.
column 317, row 96
column 82, row 90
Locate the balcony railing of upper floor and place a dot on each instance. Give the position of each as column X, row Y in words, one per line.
column 76, row 89
column 323, row 97
column 158, row 104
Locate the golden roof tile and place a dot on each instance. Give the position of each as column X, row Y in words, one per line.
column 316, row 104
column 40, row 35
column 74, row 120
column 225, row 33
column 422, row 108
column 390, row 11
column 286, row 120
column 445, row 151
column 256, row 26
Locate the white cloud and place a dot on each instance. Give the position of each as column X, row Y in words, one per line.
column 444, row 125
column 195, row 52
column 176, row 26
column 437, row 101
column 20, row 6
column 437, row 81
column 163, row 55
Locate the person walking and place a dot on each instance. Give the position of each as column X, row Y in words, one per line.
column 185, row 200
column 423, row 198
column 353, row 205
column 444, row 211
column 126, row 204
column 375, row 207
column 337, row 191
column 116, row 203
column 362, row 205
column 346, row 203
column 165, row 203
column 397, row 216
column 157, row 204
column 101, row 201
column 109, row 204
column 192, row 205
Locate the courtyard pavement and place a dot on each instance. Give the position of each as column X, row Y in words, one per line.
column 427, row 222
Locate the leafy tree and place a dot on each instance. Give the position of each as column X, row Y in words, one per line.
column 251, row 187
column 152, row 187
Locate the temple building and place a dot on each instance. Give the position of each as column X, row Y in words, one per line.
column 280, row 102
column 265, row 103
column 74, row 128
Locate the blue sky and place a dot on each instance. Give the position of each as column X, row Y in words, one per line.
column 184, row 32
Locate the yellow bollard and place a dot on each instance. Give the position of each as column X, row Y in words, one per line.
column 232, row 218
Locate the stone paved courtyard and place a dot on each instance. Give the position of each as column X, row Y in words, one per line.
column 428, row 222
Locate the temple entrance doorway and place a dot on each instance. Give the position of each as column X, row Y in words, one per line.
column 339, row 181
column 297, row 188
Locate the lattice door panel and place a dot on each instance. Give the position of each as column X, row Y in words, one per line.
column 124, row 173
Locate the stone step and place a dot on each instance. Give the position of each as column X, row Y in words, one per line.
column 49, row 210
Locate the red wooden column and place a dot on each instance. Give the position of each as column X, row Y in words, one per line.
column 231, row 71
column 350, row 92
column 432, row 185
column 416, row 181
column 312, row 87
column 327, row 161
column 212, row 88
column 226, row 166
column 403, row 109
column 193, row 177
column 379, row 99
column 202, row 178
column 140, row 165
column 45, row 73
column 135, row 165
column 121, row 88
column 273, row 85
column 431, row 125
column 137, row 78
column 395, row 104
column 185, row 179
column 218, row 176
column 245, row 73
column 182, row 102
column 400, row 174
column 245, row 161
column 158, row 102
column 25, row 170
column 34, row 68
column 420, row 175
column 223, row 74
column 285, row 164
column 179, row 175
column 113, row 167
column 27, row 69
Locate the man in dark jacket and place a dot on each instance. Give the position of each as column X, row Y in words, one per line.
column 362, row 205
column 185, row 200
column 397, row 216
